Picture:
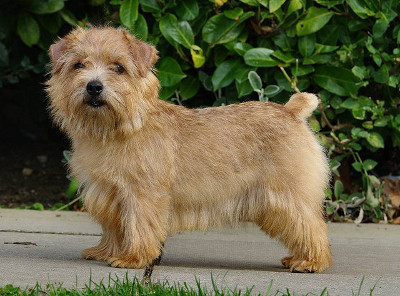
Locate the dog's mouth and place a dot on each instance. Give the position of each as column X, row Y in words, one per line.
column 95, row 102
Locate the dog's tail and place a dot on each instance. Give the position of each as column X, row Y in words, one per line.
column 302, row 104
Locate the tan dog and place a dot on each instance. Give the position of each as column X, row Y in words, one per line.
column 149, row 169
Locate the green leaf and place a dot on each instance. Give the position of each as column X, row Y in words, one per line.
column 219, row 29
column 274, row 5
column 169, row 72
column 357, row 166
column 150, row 6
column 140, row 29
column 369, row 164
column 355, row 146
column 167, row 92
column 375, row 140
column 37, row 206
column 205, row 80
column 321, row 48
column 68, row 17
column 187, row 10
column 302, row 70
column 260, row 57
column 330, row 3
column 314, row 124
column 51, row 22
column 317, row 59
column 350, row 103
column 285, row 57
column 380, row 27
column 241, row 48
column 179, row 32
column 381, row 122
column 339, row 81
column 46, row 6
column 370, row 199
column 283, row 41
column 294, row 6
column 189, row 87
column 306, row 45
column 128, row 12
column 225, row 73
column 272, row 90
column 368, row 125
column 329, row 34
column 255, row 80
column 197, row 56
column 233, row 13
column 315, row 19
column 357, row 25
column 243, row 88
column 250, row 2
column 359, row 7
column 382, row 75
column 28, row 29
column 360, row 72
column 72, row 188
column 338, row 188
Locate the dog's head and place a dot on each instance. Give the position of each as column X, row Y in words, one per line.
column 101, row 82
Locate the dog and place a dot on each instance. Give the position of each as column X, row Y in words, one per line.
column 149, row 169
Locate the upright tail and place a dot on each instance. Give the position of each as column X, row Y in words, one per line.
column 302, row 104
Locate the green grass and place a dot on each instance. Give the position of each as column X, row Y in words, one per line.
column 134, row 287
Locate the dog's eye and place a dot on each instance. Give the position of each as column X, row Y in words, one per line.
column 119, row 68
column 78, row 66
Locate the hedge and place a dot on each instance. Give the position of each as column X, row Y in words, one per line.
column 346, row 51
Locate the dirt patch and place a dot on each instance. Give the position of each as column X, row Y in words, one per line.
column 32, row 172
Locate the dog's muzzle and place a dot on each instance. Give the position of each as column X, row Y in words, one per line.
column 94, row 88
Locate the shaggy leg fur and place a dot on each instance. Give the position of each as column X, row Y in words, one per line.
column 106, row 249
column 143, row 233
column 305, row 235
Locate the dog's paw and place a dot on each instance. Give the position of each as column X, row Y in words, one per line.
column 286, row 261
column 303, row 266
column 126, row 262
column 95, row 253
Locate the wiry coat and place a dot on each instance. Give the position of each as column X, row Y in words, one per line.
column 149, row 169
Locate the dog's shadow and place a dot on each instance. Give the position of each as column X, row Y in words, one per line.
column 222, row 263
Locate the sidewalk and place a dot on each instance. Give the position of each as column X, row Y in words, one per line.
column 237, row 258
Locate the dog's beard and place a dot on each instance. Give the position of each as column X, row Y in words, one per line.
column 104, row 118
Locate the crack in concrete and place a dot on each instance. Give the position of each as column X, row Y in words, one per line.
column 49, row 232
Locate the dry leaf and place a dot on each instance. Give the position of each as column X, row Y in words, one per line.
column 395, row 200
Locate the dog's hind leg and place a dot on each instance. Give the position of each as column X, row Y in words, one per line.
column 302, row 230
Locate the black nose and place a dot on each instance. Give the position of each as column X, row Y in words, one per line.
column 94, row 88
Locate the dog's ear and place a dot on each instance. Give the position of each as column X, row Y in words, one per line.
column 144, row 54
column 55, row 52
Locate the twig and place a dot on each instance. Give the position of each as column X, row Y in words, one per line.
column 70, row 203
column 292, row 83
column 177, row 98
column 329, row 124
column 21, row 243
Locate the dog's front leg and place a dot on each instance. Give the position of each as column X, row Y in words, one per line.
column 143, row 228
column 107, row 248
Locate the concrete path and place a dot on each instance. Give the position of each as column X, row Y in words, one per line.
column 237, row 258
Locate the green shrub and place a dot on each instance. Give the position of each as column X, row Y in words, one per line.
column 346, row 51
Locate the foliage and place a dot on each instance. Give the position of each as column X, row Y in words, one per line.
column 344, row 50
